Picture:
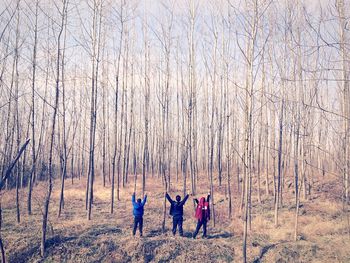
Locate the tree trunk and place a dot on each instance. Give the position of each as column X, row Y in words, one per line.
column 33, row 171
column 52, row 136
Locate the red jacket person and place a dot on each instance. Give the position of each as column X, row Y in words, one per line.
column 202, row 214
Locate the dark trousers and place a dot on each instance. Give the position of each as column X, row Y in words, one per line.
column 199, row 225
column 138, row 220
column 177, row 221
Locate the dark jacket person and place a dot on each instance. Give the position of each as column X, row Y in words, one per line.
column 177, row 211
column 138, row 213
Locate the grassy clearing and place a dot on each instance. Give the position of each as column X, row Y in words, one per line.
column 107, row 237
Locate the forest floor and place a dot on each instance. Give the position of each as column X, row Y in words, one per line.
column 323, row 228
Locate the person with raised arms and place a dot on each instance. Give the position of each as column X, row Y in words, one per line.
column 177, row 211
column 138, row 213
column 202, row 215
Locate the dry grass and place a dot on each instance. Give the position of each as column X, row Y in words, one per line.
column 107, row 237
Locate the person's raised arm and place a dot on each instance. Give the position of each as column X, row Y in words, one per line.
column 133, row 198
column 185, row 199
column 208, row 197
column 144, row 200
column 168, row 197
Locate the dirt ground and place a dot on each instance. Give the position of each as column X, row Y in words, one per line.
column 323, row 228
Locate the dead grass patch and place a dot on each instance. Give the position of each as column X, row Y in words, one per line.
column 107, row 237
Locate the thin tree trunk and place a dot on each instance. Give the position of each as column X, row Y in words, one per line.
column 65, row 154
column 3, row 255
column 278, row 188
column 33, row 171
column 52, row 137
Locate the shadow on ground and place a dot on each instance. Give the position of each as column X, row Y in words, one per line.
column 220, row 235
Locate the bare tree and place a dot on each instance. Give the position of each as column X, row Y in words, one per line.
column 145, row 157
column 63, row 13
column 121, row 16
column 64, row 150
column 33, row 111
column 95, row 59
